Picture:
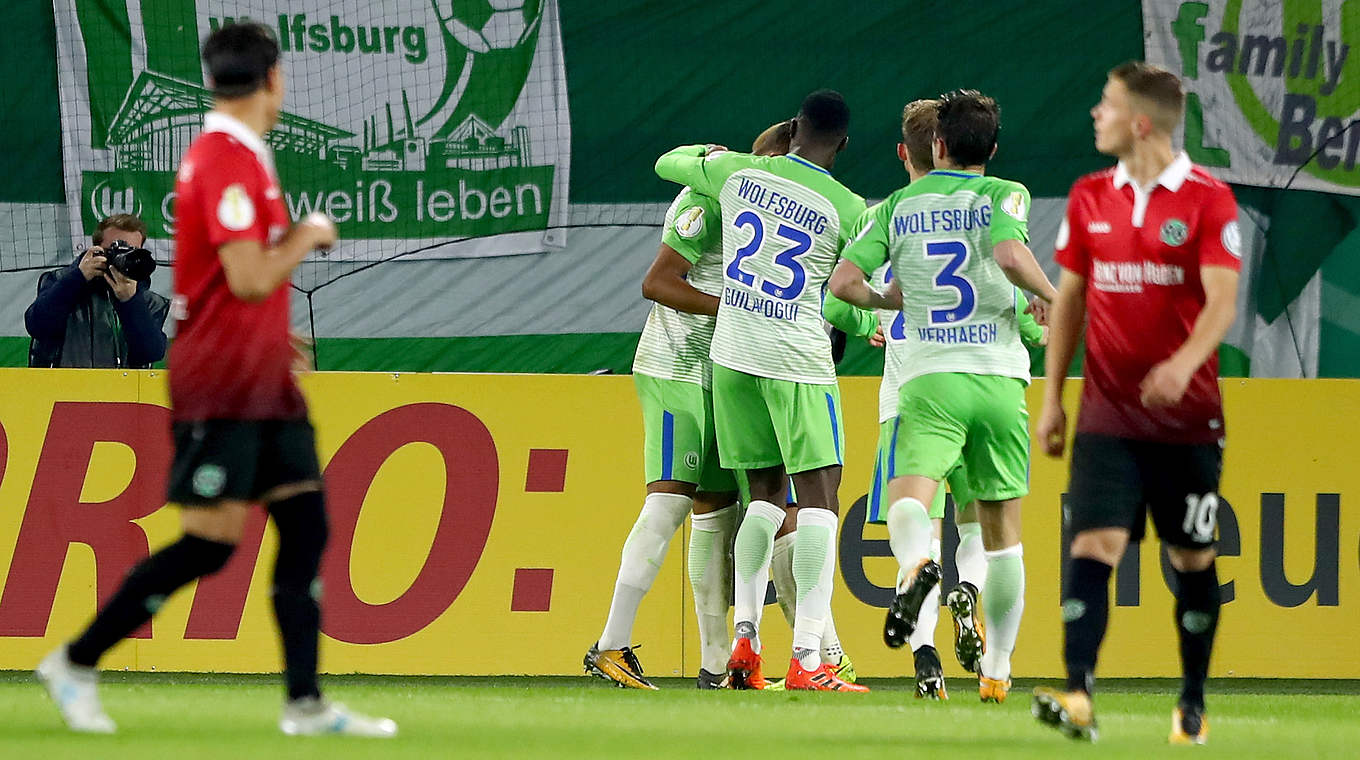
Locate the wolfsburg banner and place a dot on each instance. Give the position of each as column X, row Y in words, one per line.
column 413, row 123
column 1269, row 83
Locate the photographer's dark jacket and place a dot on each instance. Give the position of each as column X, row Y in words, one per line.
column 80, row 323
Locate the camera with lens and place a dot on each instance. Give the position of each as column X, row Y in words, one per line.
column 135, row 263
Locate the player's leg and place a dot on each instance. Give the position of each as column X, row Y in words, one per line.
column 675, row 415
column 970, row 559
column 997, row 460
column 713, row 527
column 1184, row 505
column 290, row 477
column 925, row 657
column 212, row 474
column 1104, row 512
column 746, row 442
column 781, row 562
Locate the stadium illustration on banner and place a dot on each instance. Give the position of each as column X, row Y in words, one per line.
column 436, row 120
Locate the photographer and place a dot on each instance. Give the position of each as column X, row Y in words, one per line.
column 100, row 311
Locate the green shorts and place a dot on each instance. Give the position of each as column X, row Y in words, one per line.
column 679, row 440
column 980, row 420
column 763, row 422
column 885, row 466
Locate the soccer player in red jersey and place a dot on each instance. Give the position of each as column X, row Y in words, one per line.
column 1150, row 252
column 240, row 427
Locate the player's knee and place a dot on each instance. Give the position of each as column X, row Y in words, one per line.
column 1188, row 560
column 1101, row 545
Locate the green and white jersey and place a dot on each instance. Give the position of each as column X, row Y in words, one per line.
column 675, row 344
column 784, row 220
column 958, row 308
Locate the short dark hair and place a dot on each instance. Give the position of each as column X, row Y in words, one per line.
column 920, row 119
column 825, row 115
column 124, row 222
column 969, row 122
column 1158, row 90
column 774, row 141
column 239, row 57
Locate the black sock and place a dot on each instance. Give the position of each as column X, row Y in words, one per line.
column 1086, row 610
column 145, row 590
column 1197, row 606
column 301, row 522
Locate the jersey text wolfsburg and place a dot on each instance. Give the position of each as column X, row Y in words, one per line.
column 958, row 308
column 784, row 220
column 675, row 344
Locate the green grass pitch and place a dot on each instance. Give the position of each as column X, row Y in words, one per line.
column 203, row 717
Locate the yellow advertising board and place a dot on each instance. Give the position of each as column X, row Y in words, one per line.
column 476, row 522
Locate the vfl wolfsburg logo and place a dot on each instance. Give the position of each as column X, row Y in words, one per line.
column 405, row 119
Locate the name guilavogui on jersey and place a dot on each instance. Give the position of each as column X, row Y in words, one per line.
column 1140, row 252
column 958, row 307
column 231, row 359
column 784, row 220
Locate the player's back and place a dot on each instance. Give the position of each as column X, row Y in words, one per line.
column 784, row 220
column 231, row 359
column 959, row 308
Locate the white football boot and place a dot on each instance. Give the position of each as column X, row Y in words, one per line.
column 74, row 689
column 315, row 717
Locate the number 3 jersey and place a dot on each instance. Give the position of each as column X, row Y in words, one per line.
column 784, row 219
column 958, row 308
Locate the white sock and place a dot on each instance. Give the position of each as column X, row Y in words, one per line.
column 924, row 635
column 1002, row 607
column 814, row 566
column 643, row 553
column 710, row 577
column 909, row 535
column 781, row 570
column 831, row 642
column 969, row 557
column 751, row 559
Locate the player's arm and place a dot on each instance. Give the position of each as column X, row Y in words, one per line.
column 692, row 165
column 862, row 255
column 1166, row 382
column 665, row 283
column 1066, row 318
column 861, row 323
column 850, row 284
column 1022, row 269
column 254, row 271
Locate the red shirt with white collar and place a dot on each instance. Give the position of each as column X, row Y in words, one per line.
column 231, row 359
column 1140, row 251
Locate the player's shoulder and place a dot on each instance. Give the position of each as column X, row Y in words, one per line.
column 1095, row 181
column 217, row 154
column 1199, row 176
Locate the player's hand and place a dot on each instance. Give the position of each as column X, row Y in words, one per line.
column 1052, row 430
column 123, row 287
column 1038, row 308
column 321, row 229
column 878, row 340
column 1165, row 384
column 712, row 148
column 1043, row 335
column 93, row 263
column 302, row 352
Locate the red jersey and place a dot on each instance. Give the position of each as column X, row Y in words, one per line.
column 230, row 359
column 1141, row 253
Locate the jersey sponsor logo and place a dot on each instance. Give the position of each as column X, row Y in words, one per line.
column 1231, row 237
column 1131, row 276
column 1175, row 232
column 1015, row 205
column 770, row 308
column 1064, row 235
column 235, row 210
column 690, row 224
column 1098, row 228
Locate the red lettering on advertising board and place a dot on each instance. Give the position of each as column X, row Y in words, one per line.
column 472, row 475
column 55, row 517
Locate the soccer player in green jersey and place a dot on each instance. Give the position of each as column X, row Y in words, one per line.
column 956, row 241
column 919, row 120
column 774, row 383
column 672, row 372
